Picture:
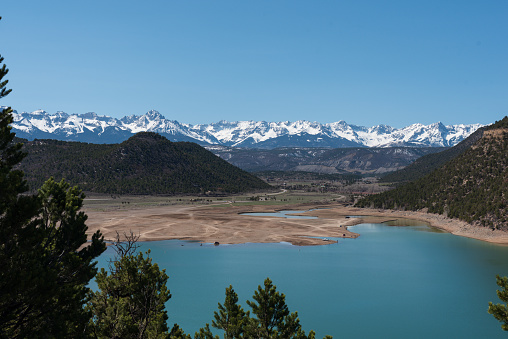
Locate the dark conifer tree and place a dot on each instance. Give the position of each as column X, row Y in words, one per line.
column 231, row 317
column 44, row 267
column 131, row 297
column 500, row 311
column 273, row 319
column 16, row 214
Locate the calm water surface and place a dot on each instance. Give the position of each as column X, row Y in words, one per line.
column 391, row 282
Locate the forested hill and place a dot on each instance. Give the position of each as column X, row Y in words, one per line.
column 430, row 162
column 146, row 163
column 472, row 187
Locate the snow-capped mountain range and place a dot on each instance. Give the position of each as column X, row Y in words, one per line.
column 90, row 127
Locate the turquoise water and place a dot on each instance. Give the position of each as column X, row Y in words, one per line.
column 391, row 282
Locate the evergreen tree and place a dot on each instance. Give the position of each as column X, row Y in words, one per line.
column 177, row 333
column 273, row 319
column 205, row 333
column 16, row 221
column 44, row 267
column 500, row 311
column 231, row 317
column 130, row 302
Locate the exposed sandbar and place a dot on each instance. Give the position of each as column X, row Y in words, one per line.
column 226, row 225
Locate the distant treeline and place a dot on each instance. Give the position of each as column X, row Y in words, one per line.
column 297, row 175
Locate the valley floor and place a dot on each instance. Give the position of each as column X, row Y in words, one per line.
column 224, row 223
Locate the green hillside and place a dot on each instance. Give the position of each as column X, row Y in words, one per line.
column 430, row 162
column 472, row 186
column 147, row 163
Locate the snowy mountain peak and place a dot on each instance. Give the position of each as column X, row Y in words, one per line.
column 89, row 115
column 90, row 127
column 39, row 112
column 153, row 114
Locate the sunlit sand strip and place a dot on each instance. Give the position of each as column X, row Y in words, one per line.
column 228, row 226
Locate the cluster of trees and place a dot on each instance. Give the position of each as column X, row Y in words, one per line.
column 343, row 178
column 147, row 163
column 272, row 318
column 471, row 187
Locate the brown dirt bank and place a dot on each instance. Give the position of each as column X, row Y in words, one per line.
column 226, row 225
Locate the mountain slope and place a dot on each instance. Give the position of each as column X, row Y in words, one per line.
column 430, row 162
column 322, row 160
column 91, row 127
column 472, row 187
column 146, row 163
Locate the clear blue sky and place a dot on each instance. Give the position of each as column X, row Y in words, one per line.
column 365, row 62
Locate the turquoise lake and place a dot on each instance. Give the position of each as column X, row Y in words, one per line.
column 391, row 282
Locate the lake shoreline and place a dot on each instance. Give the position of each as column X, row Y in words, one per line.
column 225, row 223
column 453, row 226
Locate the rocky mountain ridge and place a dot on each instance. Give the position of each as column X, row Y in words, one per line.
column 358, row 160
column 90, row 127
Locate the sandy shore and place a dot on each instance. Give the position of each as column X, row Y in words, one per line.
column 226, row 225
